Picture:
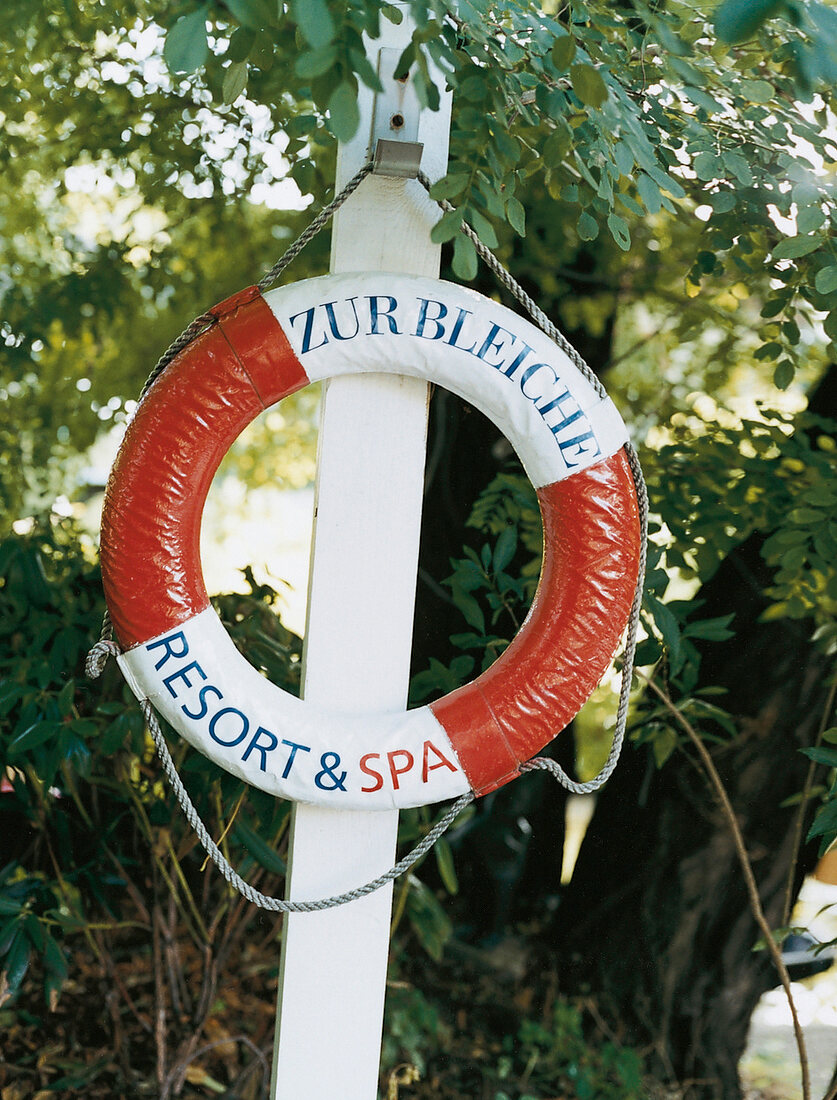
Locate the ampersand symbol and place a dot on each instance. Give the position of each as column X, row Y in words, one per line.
column 329, row 761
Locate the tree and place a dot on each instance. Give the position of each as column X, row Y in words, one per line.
column 660, row 183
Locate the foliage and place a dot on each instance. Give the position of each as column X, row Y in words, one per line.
column 546, row 1058
column 82, row 797
column 825, row 822
column 79, row 786
column 127, row 207
column 660, row 177
column 412, row 1024
column 774, row 475
column 112, row 247
column 624, row 111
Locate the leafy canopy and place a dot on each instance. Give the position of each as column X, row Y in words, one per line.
column 622, row 110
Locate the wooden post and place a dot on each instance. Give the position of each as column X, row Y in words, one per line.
column 360, row 614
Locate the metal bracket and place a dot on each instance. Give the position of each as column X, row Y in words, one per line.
column 398, row 158
column 395, row 122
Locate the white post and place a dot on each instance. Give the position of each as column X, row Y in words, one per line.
column 360, row 614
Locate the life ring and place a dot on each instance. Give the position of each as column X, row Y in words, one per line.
column 261, row 348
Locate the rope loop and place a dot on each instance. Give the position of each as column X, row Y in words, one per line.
column 98, row 656
column 106, row 647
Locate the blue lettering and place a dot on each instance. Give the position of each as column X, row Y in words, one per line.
column 330, row 762
column 375, row 314
column 332, row 320
column 263, row 750
column 308, row 331
column 490, row 343
column 167, row 642
column 423, row 318
column 577, row 442
column 457, row 328
column 202, row 694
column 295, row 748
column 529, row 373
column 181, row 675
column 518, row 359
column 556, row 403
column 245, row 726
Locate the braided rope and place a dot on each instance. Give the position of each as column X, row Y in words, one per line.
column 106, row 647
column 321, row 220
column 263, row 901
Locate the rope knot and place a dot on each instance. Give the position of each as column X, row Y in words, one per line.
column 98, row 656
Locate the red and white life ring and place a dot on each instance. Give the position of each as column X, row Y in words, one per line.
column 262, row 348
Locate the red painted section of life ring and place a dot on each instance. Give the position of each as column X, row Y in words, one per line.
column 588, row 578
column 186, row 423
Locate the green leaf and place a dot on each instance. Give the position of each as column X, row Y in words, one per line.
column 771, row 350
column 739, row 167
column 450, row 186
column 713, row 630
column 708, row 166
column 822, row 756
column 649, row 192
column 241, row 44
column 825, row 823
column 465, row 265
column 722, row 201
column 504, row 549
column 516, row 214
column 314, row 63
column 663, row 745
column 36, row 734
column 736, row 20
column 791, row 248
column 807, row 516
column 587, row 227
column 757, row 91
column 826, row 280
column 666, row 182
column 428, row 919
column 344, row 116
column 235, row 81
column 619, row 231
column 187, row 48
column 588, row 85
column 556, row 146
column 562, row 52
column 447, row 870
column 783, row 374
column 669, row 627
column 314, row 21
column 809, row 218
column 447, row 227
column 16, row 964
column 253, row 14
column 773, row 307
column 393, row 14
column 483, row 227
column 258, row 848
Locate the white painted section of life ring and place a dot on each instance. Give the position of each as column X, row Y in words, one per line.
column 196, row 678
column 453, row 337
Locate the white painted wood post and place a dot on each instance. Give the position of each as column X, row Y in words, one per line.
column 357, row 646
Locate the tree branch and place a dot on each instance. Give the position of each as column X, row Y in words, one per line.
column 747, row 870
